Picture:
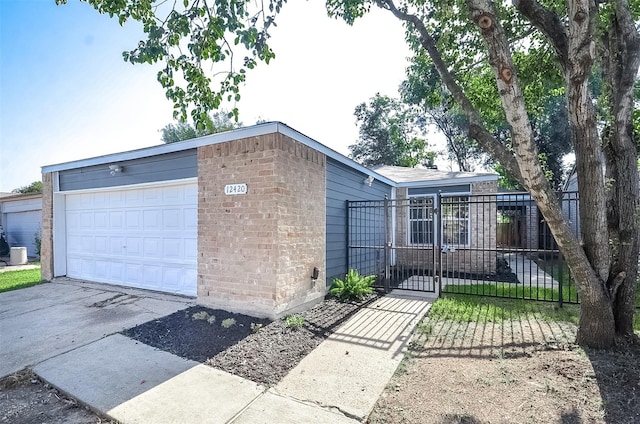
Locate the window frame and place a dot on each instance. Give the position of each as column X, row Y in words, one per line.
column 439, row 219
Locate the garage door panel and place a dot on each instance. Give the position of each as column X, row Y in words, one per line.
column 116, row 221
column 133, row 246
column 190, row 216
column 133, row 220
column 101, row 221
column 152, row 248
column 191, row 248
column 145, row 237
column 172, row 248
column 101, row 244
column 152, row 220
column 171, row 219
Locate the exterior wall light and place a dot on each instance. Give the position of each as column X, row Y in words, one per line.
column 369, row 180
column 114, row 169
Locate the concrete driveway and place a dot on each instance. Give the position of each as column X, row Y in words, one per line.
column 45, row 321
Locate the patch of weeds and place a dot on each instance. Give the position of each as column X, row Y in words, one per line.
column 200, row 316
column 211, row 319
column 403, row 366
column 294, row 321
column 255, row 327
column 228, row 323
column 425, row 329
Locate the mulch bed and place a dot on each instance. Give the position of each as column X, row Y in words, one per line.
column 257, row 349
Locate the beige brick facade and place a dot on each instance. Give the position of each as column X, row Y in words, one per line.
column 46, row 247
column 478, row 257
column 257, row 251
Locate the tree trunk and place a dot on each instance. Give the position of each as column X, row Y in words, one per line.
column 596, row 325
column 621, row 59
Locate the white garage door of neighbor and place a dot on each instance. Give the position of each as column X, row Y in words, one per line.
column 22, row 228
column 144, row 237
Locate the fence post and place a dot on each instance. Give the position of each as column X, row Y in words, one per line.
column 437, row 240
column 346, row 234
column 387, row 247
column 560, row 277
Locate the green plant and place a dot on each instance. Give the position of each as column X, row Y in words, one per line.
column 228, row 323
column 255, row 327
column 38, row 242
column 293, row 321
column 354, row 286
column 200, row 316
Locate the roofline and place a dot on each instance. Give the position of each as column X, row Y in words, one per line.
column 449, row 181
column 20, row 196
column 246, row 132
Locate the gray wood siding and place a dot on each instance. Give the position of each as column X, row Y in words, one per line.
column 344, row 183
column 169, row 166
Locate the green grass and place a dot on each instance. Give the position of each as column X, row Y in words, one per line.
column 14, row 280
column 465, row 308
column 518, row 291
column 469, row 308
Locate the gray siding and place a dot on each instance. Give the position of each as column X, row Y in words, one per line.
column 344, row 183
column 460, row 188
column 170, row 166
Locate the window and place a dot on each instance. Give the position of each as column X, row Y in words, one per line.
column 455, row 220
column 421, row 223
column 454, row 215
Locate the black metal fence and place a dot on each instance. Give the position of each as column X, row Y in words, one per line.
column 489, row 245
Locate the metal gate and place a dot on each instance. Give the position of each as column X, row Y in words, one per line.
column 489, row 245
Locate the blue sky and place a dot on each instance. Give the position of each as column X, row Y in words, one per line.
column 66, row 93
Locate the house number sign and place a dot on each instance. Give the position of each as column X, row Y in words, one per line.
column 235, row 189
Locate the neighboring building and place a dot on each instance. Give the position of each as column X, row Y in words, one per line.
column 20, row 217
column 240, row 219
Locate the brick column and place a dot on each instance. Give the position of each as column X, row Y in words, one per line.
column 46, row 248
column 256, row 251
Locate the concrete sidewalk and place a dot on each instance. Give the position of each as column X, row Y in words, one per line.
column 338, row 382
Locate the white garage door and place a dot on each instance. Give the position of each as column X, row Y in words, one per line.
column 22, row 228
column 144, row 237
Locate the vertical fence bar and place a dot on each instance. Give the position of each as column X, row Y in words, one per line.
column 387, row 247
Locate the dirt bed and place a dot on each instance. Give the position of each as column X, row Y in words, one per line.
column 25, row 399
column 259, row 350
column 525, row 371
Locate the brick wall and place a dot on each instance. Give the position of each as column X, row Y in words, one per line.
column 257, row 251
column 471, row 259
column 46, row 247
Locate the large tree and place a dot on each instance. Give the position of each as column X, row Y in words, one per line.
column 579, row 33
column 389, row 135
column 34, row 187
column 577, row 37
column 217, row 122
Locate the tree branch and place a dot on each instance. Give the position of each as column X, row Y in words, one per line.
column 476, row 128
column 549, row 24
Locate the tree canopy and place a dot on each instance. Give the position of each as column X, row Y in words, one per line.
column 34, row 187
column 217, row 122
column 389, row 135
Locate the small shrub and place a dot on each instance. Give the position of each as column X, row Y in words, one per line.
column 211, row 319
column 228, row 323
column 354, row 286
column 293, row 322
column 200, row 316
column 255, row 327
column 38, row 242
